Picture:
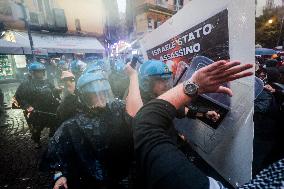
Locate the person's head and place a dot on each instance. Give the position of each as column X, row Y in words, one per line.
column 37, row 70
column 270, row 63
column 94, row 90
column 273, row 75
column 78, row 67
column 261, row 73
column 69, row 81
column 155, row 78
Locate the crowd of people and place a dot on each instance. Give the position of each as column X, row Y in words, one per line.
column 268, row 112
column 109, row 129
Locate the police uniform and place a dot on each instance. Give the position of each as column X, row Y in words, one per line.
column 94, row 148
column 38, row 94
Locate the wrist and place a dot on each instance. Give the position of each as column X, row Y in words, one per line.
column 133, row 75
column 57, row 176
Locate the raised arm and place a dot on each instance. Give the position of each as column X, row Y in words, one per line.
column 161, row 162
column 133, row 99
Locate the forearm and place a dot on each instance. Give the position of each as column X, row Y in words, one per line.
column 133, row 100
column 176, row 97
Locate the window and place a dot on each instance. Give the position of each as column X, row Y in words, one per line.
column 150, row 25
column 155, row 24
column 77, row 25
column 159, row 23
column 34, row 18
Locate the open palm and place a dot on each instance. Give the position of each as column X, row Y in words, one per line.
column 211, row 78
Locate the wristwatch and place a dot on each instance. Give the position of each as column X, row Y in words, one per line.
column 190, row 89
column 57, row 176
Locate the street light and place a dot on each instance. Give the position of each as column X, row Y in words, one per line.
column 270, row 21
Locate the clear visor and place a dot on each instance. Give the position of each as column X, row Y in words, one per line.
column 98, row 99
column 97, row 94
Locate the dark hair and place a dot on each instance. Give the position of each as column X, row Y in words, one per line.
column 273, row 75
column 271, row 63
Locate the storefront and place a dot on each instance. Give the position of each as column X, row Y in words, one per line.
column 15, row 50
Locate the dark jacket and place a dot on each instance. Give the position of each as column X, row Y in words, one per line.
column 40, row 94
column 100, row 144
column 162, row 164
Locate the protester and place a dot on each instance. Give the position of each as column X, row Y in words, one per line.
column 68, row 80
column 155, row 78
column 163, row 165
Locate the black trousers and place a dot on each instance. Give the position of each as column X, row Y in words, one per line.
column 37, row 122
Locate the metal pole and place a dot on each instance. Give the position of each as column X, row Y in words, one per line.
column 27, row 26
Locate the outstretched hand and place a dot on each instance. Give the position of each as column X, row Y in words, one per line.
column 211, row 78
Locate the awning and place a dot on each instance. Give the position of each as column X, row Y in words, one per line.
column 7, row 47
column 60, row 43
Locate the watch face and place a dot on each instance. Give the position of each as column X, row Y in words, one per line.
column 191, row 89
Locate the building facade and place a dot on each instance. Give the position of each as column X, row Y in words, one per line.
column 65, row 16
column 147, row 15
column 58, row 27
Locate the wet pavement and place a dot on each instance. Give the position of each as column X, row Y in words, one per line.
column 19, row 159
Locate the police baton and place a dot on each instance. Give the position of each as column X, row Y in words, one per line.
column 42, row 112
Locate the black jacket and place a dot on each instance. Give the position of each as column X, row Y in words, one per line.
column 162, row 164
column 40, row 94
column 97, row 145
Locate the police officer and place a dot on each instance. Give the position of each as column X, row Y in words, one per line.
column 39, row 100
column 69, row 105
column 94, row 148
column 77, row 68
column 155, row 78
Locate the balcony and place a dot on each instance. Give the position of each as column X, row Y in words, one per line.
column 161, row 7
column 55, row 22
